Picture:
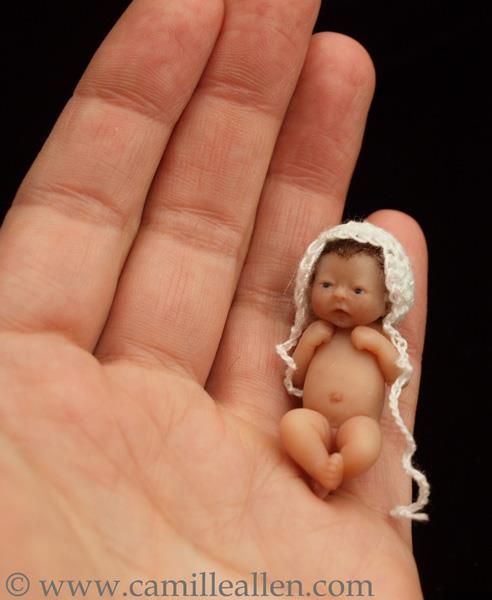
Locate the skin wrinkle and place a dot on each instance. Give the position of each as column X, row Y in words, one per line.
column 113, row 98
column 256, row 414
column 147, row 355
column 202, row 228
column 301, row 179
column 56, row 493
column 215, row 529
column 75, row 201
column 264, row 300
column 57, row 325
column 243, row 86
column 222, row 142
column 79, row 420
column 333, row 136
column 238, row 94
column 150, row 69
column 80, row 204
column 72, row 308
column 239, row 520
column 145, row 482
column 303, row 170
column 71, row 515
column 235, row 89
column 173, row 359
column 112, row 126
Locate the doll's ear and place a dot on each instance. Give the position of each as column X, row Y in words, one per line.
column 387, row 304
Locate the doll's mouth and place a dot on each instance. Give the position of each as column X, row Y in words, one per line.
column 340, row 313
column 340, row 316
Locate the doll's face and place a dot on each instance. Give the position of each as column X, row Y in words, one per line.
column 348, row 291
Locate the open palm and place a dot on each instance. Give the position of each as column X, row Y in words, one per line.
column 145, row 271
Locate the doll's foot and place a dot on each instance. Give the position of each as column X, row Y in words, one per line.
column 319, row 490
column 332, row 474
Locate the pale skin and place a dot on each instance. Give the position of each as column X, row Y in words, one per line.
column 143, row 269
column 343, row 362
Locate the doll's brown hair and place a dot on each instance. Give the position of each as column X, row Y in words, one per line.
column 346, row 248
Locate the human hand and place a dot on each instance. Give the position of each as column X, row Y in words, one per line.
column 143, row 275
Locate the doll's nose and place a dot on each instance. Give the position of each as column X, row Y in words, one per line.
column 340, row 292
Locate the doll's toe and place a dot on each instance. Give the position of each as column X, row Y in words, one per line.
column 332, row 475
column 319, row 490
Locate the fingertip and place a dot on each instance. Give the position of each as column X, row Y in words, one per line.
column 407, row 230
column 347, row 57
column 410, row 234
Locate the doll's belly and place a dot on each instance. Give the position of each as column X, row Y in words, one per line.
column 342, row 382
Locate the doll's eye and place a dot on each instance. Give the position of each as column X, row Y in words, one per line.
column 359, row 291
column 326, row 284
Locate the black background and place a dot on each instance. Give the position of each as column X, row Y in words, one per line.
column 424, row 152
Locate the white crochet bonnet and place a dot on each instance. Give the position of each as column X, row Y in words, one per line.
column 400, row 287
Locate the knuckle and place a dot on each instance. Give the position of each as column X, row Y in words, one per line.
column 75, row 201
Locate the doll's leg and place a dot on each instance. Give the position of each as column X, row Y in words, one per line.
column 306, row 436
column 359, row 443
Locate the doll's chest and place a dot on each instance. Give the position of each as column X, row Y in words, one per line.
column 340, row 361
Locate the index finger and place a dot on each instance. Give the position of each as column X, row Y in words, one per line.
column 65, row 239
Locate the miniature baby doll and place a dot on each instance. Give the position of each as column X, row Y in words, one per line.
column 343, row 360
column 353, row 283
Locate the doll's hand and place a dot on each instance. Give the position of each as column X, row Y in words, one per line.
column 362, row 337
column 366, row 338
column 143, row 276
column 319, row 332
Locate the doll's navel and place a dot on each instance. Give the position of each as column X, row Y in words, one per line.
column 336, row 397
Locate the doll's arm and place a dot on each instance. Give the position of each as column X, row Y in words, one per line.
column 366, row 338
column 316, row 334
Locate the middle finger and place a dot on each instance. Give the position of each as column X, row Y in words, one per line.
column 304, row 194
column 176, row 289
